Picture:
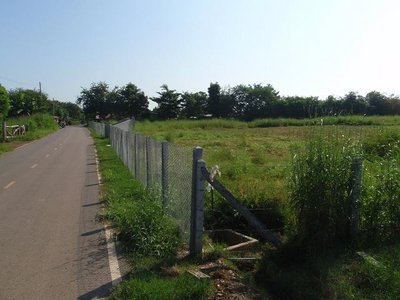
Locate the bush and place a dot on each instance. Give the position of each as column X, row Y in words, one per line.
column 144, row 227
column 319, row 192
column 380, row 209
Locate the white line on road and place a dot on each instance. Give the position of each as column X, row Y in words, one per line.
column 10, row 185
column 47, row 155
column 34, row 166
column 112, row 258
column 25, row 145
column 111, row 249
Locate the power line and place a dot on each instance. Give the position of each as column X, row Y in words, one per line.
column 16, row 81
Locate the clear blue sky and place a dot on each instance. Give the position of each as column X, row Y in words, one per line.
column 301, row 47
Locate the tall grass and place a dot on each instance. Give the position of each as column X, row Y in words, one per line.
column 380, row 205
column 320, row 190
column 36, row 125
column 144, row 228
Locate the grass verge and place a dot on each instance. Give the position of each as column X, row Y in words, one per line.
column 149, row 236
column 38, row 126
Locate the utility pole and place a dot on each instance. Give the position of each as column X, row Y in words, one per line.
column 53, row 107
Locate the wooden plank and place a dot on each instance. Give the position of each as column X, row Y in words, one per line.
column 265, row 233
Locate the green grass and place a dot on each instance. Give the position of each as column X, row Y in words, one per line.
column 288, row 274
column 150, row 238
column 255, row 161
column 143, row 226
column 38, row 125
column 152, row 286
column 268, row 166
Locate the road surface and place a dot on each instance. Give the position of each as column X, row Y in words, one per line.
column 51, row 247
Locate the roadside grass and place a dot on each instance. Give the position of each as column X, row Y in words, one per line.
column 38, row 125
column 288, row 274
column 150, row 238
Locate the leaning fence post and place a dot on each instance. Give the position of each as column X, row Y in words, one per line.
column 197, row 209
column 148, row 160
column 136, row 147
column 164, row 172
column 356, row 175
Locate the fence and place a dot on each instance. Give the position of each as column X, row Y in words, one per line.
column 166, row 170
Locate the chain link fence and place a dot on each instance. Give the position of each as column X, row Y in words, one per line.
column 163, row 168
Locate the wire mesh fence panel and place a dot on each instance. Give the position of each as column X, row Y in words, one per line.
column 165, row 169
column 178, row 201
column 154, row 167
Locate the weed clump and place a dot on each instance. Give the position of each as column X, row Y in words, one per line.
column 320, row 188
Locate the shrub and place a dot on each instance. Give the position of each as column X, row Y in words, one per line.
column 319, row 192
column 144, row 227
column 380, row 205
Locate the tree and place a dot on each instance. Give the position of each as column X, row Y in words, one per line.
column 255, row 101
column 4, row 103
column 194, row 105
column 214, row 100
column 27, row 102
column 134, row 102
column 378, row 103
column 354, row 104
column 95, row 101
column 169, row 103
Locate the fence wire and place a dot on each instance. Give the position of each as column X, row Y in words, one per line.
column 165, row 169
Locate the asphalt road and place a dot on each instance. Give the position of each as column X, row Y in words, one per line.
column 51, row 247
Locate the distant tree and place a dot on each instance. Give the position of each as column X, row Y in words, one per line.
column 4, row 103
column 354, row 104
column 378, row 103
column 214, row 100
column 331, row 106
column 134, row 101
column 74, row 112
column 194, row 105
column 255, row 101
column 169, row 103
column 95, row 101
column 27, row 102
column 394, row 105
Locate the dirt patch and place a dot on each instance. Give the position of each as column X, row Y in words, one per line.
column 227, row 282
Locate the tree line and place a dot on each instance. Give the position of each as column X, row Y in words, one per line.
column 243, row 102
column 25, row 102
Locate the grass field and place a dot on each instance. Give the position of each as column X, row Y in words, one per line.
column 253, row 161
column 256, row 161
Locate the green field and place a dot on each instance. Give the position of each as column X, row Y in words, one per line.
column 288, row 165
column 254, row 161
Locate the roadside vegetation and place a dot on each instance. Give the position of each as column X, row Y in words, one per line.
column 36, row 112
column 150, row 238
column 37, row 126
column 303, row 175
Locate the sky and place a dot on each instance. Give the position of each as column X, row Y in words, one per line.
column 301, row 47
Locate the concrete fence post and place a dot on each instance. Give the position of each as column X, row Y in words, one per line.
column 356, row 177
column 164, row 172
column 136, row 147
column 197, row 207
column 107, row 131
column 148, row 161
